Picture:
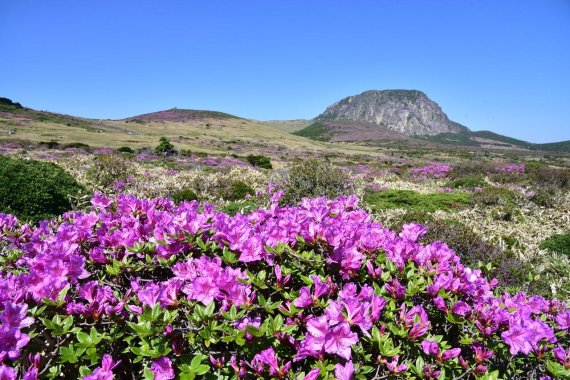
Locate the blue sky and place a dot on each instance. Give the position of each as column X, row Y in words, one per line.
column 496, row 65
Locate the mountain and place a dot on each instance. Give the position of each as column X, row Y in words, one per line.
column 220, row 133
column 179, row 116
column 409, row 112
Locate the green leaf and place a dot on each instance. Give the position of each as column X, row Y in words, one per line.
column 84, row 338
column 202, row 369
column 196, row 362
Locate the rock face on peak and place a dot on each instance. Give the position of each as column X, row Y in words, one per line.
column 409, row 112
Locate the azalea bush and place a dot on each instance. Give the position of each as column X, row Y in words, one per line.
column 433, row 170
column 138, row 288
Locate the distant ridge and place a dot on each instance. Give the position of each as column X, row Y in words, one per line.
column 179, row 116
column 16, row 118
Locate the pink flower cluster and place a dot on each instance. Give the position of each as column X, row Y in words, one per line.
column 516, row 169
column 433, row 170
column 332, row 318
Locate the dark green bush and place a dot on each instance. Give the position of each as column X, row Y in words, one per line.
column 34, row 190
column 109, row 169
column 559, row 243
column 468, row 182
column 165, row 147
column 412, row 200
column 245, row 208
column 551, row 177
column 236, row 191
column 126, row 149
column 76, row 145
column 546, row 196
column 465, row 169
column 185, row 195
column 495, row 196
column 315, row 178
column 260, row 161
column 50, row 144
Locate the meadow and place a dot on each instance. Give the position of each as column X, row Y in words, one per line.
column 229, row 258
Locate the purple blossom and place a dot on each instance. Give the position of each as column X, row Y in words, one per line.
column 7, row 373
column 105, row 372
column 562, row 356
column 269, row 357
column 394, row 366
column 313, row 374
column 162, row 369
column 344, row 372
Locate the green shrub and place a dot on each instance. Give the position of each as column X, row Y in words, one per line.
column 461, row 170
column 109, row 169
column 126, row 149
column 315, row 178
column 260, row 161
column 412, row 200
column 34, row 190
column 559, row 243
column 546, row 196
column 50, row 144
column 236, row 191
column 468, row 182
column 245, row 208
column 551, row 177
column 76, row 145
column 165, row 147
column 185, row 195
column 495, row 196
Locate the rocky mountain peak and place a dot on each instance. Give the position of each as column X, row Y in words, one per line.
column 409, row 112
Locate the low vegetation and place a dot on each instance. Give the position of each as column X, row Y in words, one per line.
column 34, row 190
column 411, row 200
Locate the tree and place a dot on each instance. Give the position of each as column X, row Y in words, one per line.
column 165, row 147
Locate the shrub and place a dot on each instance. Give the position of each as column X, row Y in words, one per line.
column 35, row 190
column 412, row 200
column 468, row 169
column 552, row 178
column 185, row 195
column 559, row 243
column 245, row 208
column 145, row 289
column 237, row 190
column 76, row 145
column 126, row 149
column 50, row 144
column 546, row 196
column 468, row 182
column 260, row 161
column 495, row 196
column 313, row 178
column 165, row 147
column 108, row 169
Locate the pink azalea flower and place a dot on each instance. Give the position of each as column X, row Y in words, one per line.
column 162, row 369
column 344, row 372
column 105, row 372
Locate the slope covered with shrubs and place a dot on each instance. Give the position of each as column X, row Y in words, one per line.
column 147, row 289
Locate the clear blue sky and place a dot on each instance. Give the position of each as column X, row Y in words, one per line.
column 497, row 65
